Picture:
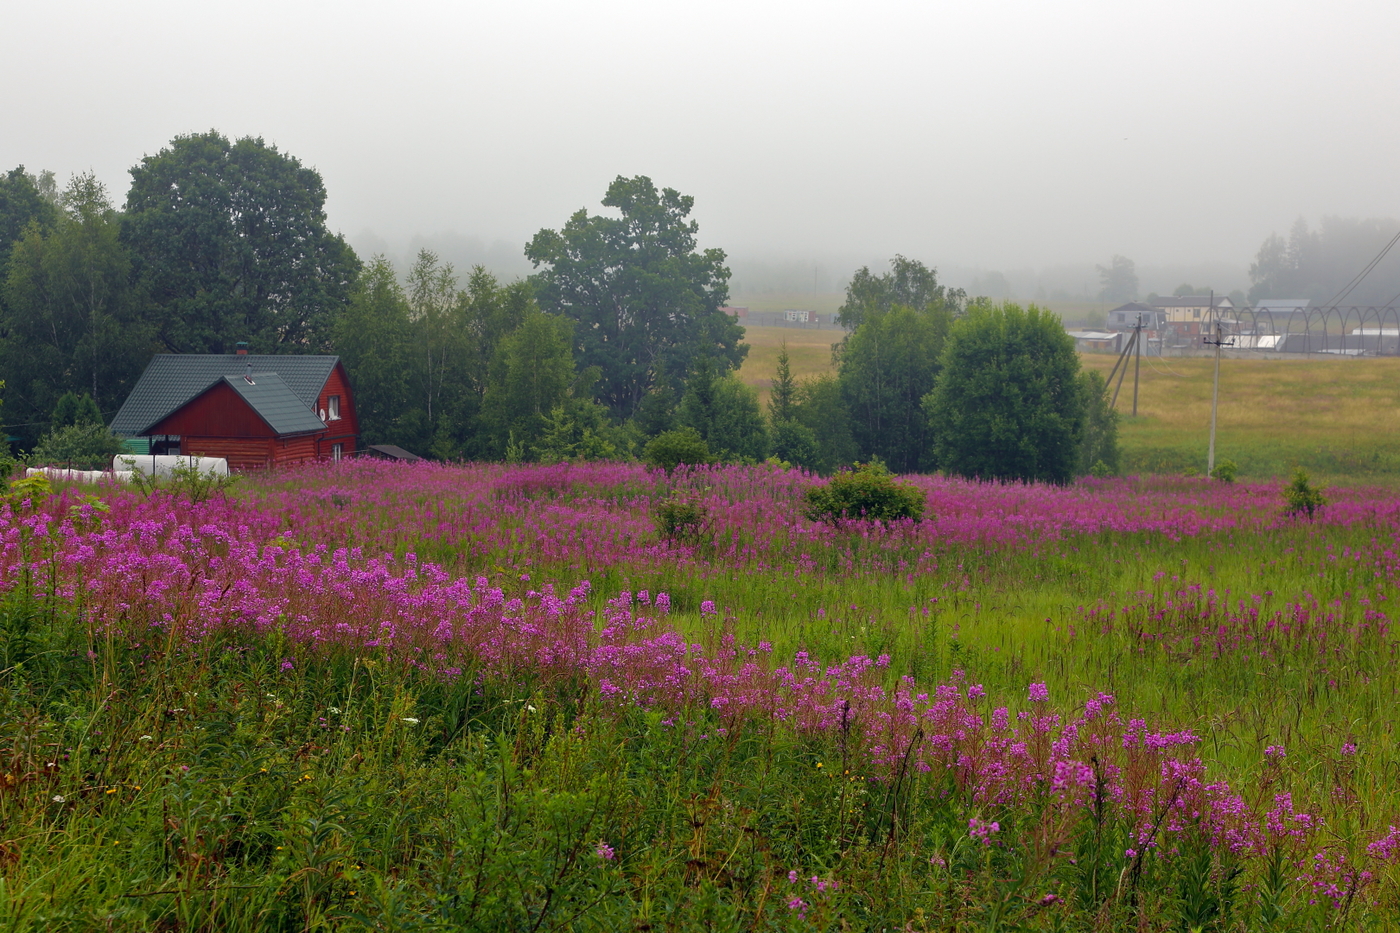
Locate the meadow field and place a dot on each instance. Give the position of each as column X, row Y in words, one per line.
column 370, row 696
column 1338, row 418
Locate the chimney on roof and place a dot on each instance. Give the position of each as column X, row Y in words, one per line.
column 241, row 348
column 248, row 373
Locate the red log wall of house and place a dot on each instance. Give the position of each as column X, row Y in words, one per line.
column 218, row 412
column 297, row 449
column 242, row 453
column 346, row 430
column 219, row 423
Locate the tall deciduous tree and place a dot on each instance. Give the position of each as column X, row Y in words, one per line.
column 646, row 300
column 71, row 321
column 900, row 319
column 888, row 366
column 909, row 284
column 231, row 242
column 23, row 201
column 440, row 344
column 822, row 410
column 534, row 374
column 1118, row 279
column 374, row 339
column 1007, row 404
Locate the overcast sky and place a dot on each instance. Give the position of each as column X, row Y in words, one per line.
column 991, row 133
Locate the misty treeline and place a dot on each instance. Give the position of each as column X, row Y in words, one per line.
column 616, row 340
column 1344, row 262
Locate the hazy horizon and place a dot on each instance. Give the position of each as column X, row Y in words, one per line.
column 1029, row 139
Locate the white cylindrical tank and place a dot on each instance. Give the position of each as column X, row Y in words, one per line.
column 164, row 464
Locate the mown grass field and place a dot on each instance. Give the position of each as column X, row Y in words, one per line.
column 375, row 697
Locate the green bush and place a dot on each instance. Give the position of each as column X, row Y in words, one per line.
column 795, row 443
column 686, row 521
column 1225, row 471
column 1301, row 497
column 79, row 446
column 670, row 449
column 868, row 492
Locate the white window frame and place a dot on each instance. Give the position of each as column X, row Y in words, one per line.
column 333, row 407
column 336, row 452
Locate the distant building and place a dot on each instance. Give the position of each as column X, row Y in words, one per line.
column 735, row 311
column 796, row 316
column 1097, row 341
column 1126, row 317
column 1190, row 316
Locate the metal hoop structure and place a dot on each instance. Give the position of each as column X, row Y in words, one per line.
column 1343, row 331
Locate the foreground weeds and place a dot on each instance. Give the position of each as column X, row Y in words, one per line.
column 272, row 712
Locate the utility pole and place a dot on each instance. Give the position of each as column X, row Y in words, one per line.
column 1137, row 360
column 1219, row 342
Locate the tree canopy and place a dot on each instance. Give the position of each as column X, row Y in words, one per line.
column 644, row 298
column 71, row 320
column 1007, row 403
column 231, row 244
column 908, row 284
column 888, row 361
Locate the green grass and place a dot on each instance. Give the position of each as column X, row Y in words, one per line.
column 1336, row 418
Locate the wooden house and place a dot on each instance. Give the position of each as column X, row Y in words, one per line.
column 256, row 411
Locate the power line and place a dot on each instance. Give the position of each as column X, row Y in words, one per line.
column 1356, row 280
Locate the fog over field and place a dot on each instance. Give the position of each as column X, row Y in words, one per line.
column 1029, row 139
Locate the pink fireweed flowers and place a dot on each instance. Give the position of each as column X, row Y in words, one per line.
column 289, row 559
column 979, row 829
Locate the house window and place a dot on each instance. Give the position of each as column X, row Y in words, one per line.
column 333, row 406
column 335, row 452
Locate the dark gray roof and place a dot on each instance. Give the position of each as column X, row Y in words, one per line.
column 393, row 452
column 276, row 403
column 172, row 379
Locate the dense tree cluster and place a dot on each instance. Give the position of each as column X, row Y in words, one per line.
column 616, row 347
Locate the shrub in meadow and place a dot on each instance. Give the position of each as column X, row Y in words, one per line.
column 1301, row 497
column 1225, row 471
column 670, row 449
column 682, row 519
column 869, row 492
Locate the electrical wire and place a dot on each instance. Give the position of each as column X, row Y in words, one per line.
column 1356, row 280
column 1169, row 370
